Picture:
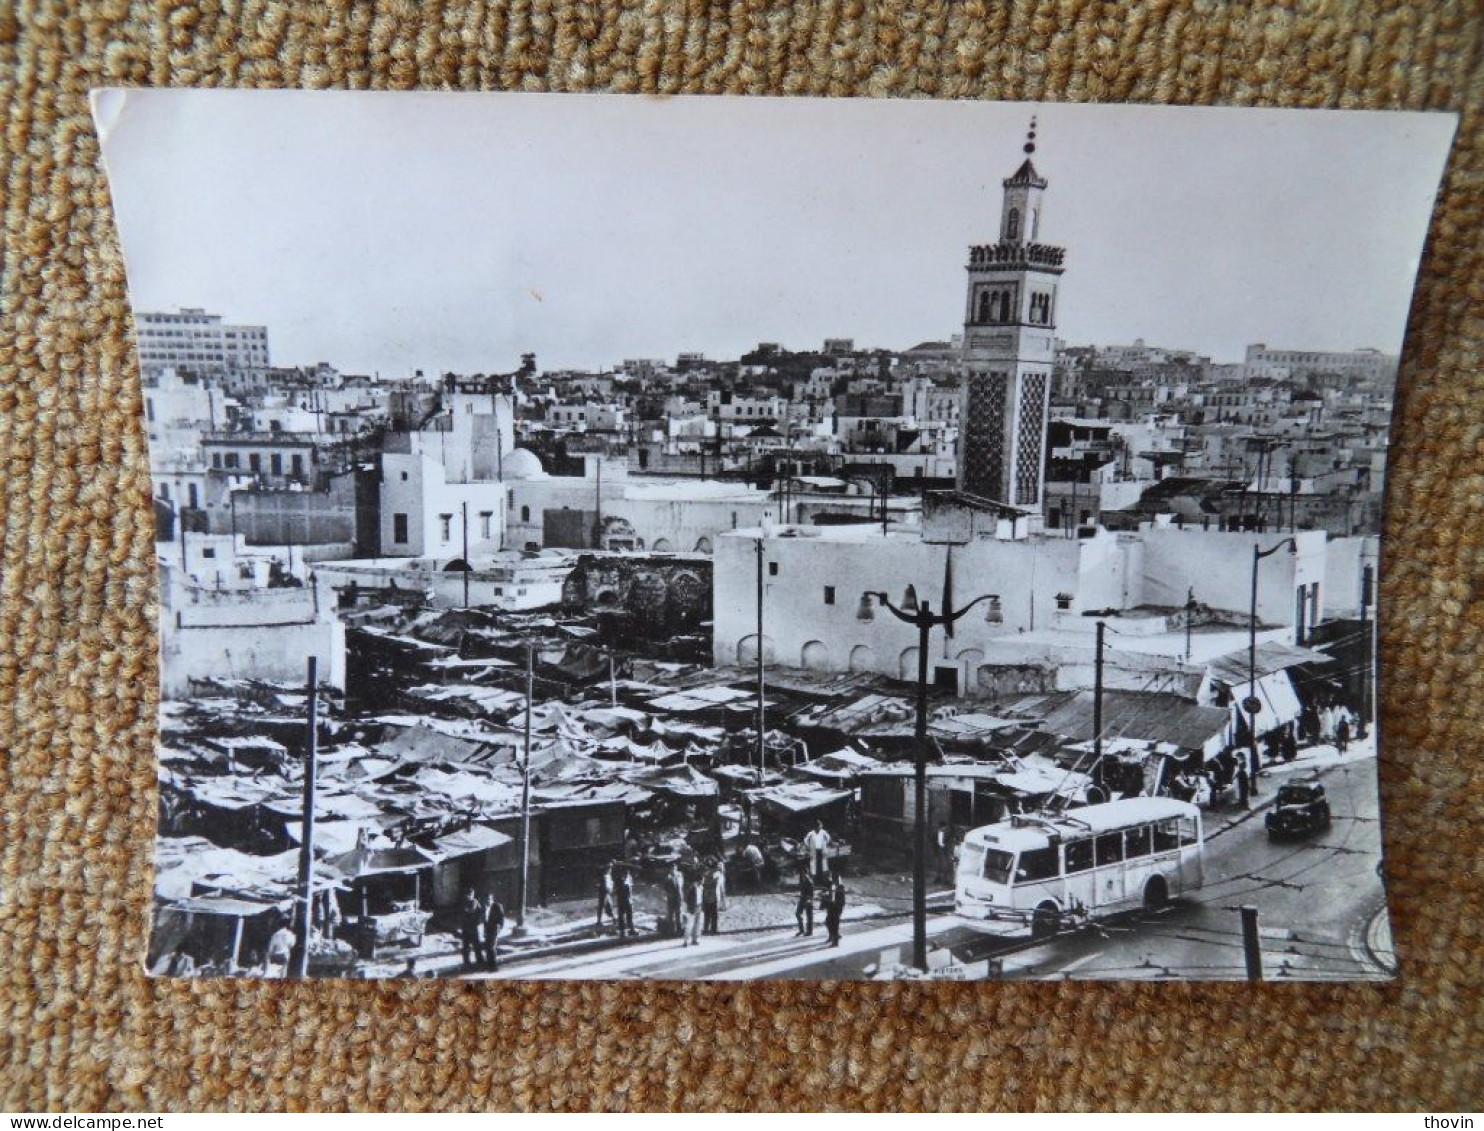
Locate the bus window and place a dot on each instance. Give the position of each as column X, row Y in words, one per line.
column 1166, row 836
column 997, row 864
column 971, row 860
column 1036, row 864
column 1187, row 830
column 1079, row 855
column 1109, row 848
column 1137, row 842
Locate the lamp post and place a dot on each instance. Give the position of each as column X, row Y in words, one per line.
column 762, row 742
column 1252, row 704
column 920, row 614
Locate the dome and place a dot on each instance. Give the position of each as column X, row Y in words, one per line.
column 522, row 463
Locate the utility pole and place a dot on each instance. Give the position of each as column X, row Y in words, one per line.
column 1251, row 943
column 304, row 918
column 525, row 796
column 921, row 616
column 1097, row 700
column 762, row 746
column 1367, row 579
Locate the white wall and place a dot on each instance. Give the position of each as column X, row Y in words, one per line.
column 1217, row 565
column 414, row 485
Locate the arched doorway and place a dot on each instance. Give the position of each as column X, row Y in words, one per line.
column 862, row 658
column 747, row 650
column 815, row 656
column 703, row 545
column 907, row 664
column 662, row 546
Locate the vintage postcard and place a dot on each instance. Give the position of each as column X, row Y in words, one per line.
column 717, row 538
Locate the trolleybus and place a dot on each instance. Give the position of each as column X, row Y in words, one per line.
column 1043, row 873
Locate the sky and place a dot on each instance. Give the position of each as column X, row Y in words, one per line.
column 454, row 232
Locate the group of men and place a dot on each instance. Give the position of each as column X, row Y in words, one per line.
column 831, row 893
column 481, row 919
column 616, row 897
column 694, row 901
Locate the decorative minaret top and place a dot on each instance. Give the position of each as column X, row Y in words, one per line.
column 1020, row 218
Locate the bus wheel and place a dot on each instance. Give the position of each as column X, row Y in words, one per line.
column 1156, row 893
column 1046, row 921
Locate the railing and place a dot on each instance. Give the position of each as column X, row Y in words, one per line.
column 1014, row 254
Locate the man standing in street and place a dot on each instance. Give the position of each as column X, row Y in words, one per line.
column 713, row 896
column 494, row 923
column 623, row 896
column 834, row 907
column 817, row 845
column 605, row 896
column 674, row 890
column 804, row 909
column 690, row 896
column 471, row 929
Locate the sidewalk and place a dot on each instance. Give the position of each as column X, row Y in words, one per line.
column 1311, row 760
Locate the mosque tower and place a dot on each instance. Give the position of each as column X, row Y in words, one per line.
column 1009, row 348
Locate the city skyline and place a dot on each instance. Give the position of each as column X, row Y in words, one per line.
column 696, row 273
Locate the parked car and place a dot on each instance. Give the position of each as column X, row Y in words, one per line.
column 1301, row 808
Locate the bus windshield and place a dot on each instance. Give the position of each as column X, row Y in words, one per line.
column 997, row 865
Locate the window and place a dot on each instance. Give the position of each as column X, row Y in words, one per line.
column 232, row 460
column 404, row 477
column 1187, row 830
column 208, row 551
column 275, row 463
column 1166, row 836
column 165, row 491
column 1137, row 842
column 1079, row 856
column 525, row 514
column 1109, row 848
column 484, row 523
column 298, row 464
column 1036, row 864
column 254, row 462
column 1012, row 225
column 195, row 499
column 772, row 569
column 445, row 526
column 997, row 864
column 983, row 306
column 829, row 594
column 399, row 528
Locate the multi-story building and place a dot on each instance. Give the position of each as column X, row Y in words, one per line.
column 191, row 340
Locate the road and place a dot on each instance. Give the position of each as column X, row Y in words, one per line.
column 1317, row 901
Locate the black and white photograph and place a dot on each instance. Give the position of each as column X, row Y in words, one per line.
column 730, row 538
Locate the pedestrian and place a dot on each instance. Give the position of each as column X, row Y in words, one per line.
column 1342, row 732
column 605, row 896
column 471, row 929
column 280, row 951
column 804, row 909
column 623, row 896
column 754, row 861
column 817, row 845
column 494, row 923
column 834, row 907
column 674, row 890
column 180, row 964
column 714, row 897
column 945, row 853
column 690, row 901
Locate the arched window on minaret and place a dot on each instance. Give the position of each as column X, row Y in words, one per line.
column 1012, row 225
column 1034, row 229
column 984, row 311
column 1005, row 304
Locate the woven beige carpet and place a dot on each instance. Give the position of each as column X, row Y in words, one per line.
column 80, row 1028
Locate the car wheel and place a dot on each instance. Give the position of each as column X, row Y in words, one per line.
column 1156, row 893
column 1046, row 921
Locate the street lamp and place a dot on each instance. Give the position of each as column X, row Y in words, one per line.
column 1253, row 704
column 920, row 613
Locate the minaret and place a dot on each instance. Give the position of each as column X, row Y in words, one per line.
column 1008, row 351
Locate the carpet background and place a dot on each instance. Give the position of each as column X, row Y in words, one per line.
column 82, row 1029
